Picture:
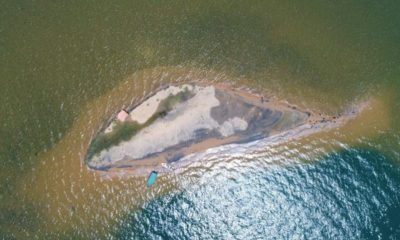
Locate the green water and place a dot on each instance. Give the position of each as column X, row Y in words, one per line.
column 55, row 57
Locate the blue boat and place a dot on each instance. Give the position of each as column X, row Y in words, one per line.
column 152, row 178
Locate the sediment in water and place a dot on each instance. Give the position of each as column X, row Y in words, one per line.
column 178, row 121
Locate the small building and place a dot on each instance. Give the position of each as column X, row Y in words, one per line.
column 123, row 116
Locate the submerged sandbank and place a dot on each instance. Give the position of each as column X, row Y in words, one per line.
column 179, row 121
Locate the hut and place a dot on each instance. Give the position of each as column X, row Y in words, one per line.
column 123, row 116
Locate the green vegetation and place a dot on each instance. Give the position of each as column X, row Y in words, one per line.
column 167, row 104
column 123, row 131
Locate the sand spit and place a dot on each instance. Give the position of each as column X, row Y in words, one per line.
column 205, row 117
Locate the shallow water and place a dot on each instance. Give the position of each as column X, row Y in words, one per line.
column 65, row 68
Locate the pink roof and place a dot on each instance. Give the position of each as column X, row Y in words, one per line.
column 122, row 116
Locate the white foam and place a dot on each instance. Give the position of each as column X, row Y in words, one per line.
column 179, row 126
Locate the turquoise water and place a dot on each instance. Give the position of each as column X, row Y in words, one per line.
column 65, row 67
column 352, row 194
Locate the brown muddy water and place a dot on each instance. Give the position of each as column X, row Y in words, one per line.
column 65, row 68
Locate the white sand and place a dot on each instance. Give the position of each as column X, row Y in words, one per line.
column 180, row 125
column 149, row 107
column 229, row 127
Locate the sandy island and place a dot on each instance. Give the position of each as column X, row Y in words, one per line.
column 175, row 123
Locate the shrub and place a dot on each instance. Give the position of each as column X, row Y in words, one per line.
column 122, row 131
column 167, row 104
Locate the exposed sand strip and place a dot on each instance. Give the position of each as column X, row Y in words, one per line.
column 215, row 116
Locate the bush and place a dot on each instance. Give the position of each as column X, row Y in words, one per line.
column 168, row 103
column 122, row 131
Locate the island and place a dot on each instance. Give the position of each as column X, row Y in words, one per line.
column 179, row 120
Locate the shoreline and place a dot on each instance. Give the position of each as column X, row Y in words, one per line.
column 164, row 161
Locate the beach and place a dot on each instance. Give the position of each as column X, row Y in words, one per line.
column 214, row 115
